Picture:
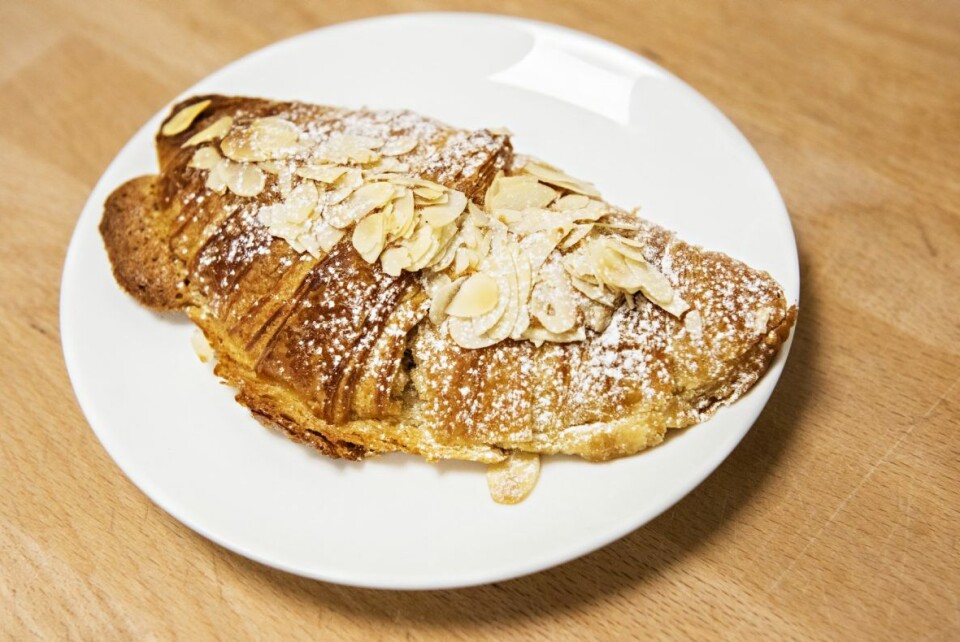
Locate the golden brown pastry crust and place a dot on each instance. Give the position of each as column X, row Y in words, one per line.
column 338, row 354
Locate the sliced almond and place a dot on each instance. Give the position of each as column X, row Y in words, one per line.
column 369, row 236
column 511, row 480
column 205, row 158
column 539, row 335
column 522, row 323
column 218, row 129
column 440, row 215
column 477, row 295
column 551, row 302
column 273, row 167
column 441, row 295
column 182, row 120
column 553, row 176
column 571, row 202
column 323, row 173
column 499, row 265
column 577, row 234
column 263, row 139
column 301, row 202
column 394, row 260
column 326, row 235
column 465, row 259
column 594, row 292
column 538, row 246
column 244, row 179
column 449, row 238
column 364, row 200
column 398, row 146
column 284, row 183
column 419, row 245
column 342, row 187
column 463, row 334
column 387, row 167
column 402, row 218
column 347, row 148
column 508, row 319
column 518, row 193
column 217, row 178
column 428, row 194
column 657, row 288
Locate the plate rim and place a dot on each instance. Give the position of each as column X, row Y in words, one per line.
column 630, row 522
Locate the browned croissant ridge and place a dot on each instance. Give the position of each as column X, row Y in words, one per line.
column 341, row 355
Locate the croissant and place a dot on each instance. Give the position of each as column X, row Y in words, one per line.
column 377, row 281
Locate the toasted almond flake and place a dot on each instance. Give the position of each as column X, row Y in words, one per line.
column 441, row 295
column 518, row 193
column 465, row 259
column 217, row 178
column 553, row 176
column 551, row 302
column 419, row 243
column 244, row 179
column 525, row 273
column 323, row 173
column 499, row 265
column 301, row 202
column 505, row 324
column 440, row 215
column 657, row 289
column 462, row 333
column 327, row 236
column 402, row 218
column 182, row 120
column 398, row 146
column 218, row 129
column 364, row 200
column 449, row 239
column 201, row 346
column 205, row 158
column 428, row 194
column 424, row 182
column 394, row 260
column 522, row 323
column 342, row 187
column 539, row 336
column 577, row 234
column 594, row 291
column 477, row 295
column 369, row 236
column 511, row 480
column 263, row 139
column 538, row 246
column 273, row 167
column 310, row 244
column 347, row 148
column 571, row 202
column 285, row 184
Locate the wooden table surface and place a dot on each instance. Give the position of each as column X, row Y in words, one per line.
column 837, row 516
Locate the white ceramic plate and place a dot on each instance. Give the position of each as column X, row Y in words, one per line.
column 597, row 110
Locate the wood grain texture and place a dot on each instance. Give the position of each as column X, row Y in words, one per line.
column 837, row 517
